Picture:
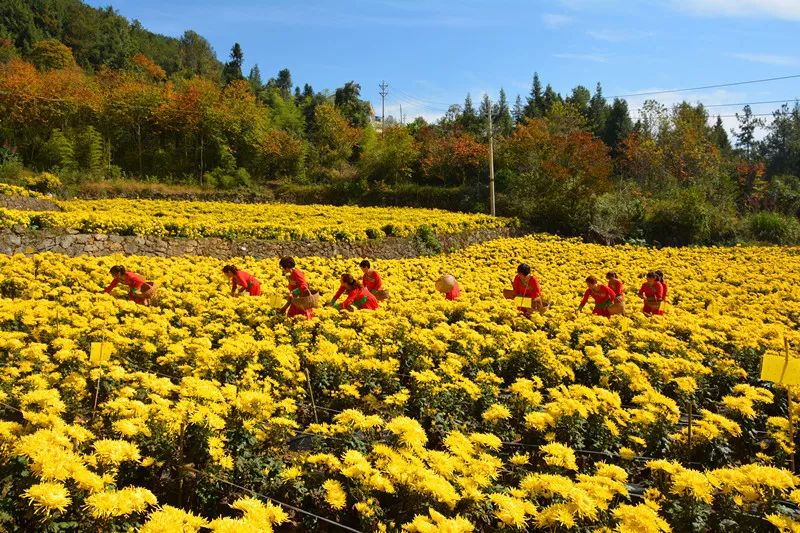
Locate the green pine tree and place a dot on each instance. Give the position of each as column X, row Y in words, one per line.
column 233, row 68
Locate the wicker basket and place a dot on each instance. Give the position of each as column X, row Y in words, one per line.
column 307, row 302
column 381, row 295
column 509, row 294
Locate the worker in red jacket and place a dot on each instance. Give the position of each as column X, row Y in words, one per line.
column 241, row 281
column 448, row 285
column 139, row 290
column 526, row 285
column 371, row 279
column 652, row 293
column 616, row 285
column 603, row 297
column 297, row 287
column 358, row 296
column 660, row 279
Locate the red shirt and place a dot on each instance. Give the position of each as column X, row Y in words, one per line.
column 652, row 292
column 529, row 289
column 297, row 281
column 372, row 281
column 603, row 294
column 131, row 279
column 663, row 289
column 339, row 292
column 243, row 279
column 617, row 286
column 355, row 296
column 454, row 293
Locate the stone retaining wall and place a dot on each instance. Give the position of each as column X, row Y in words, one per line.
column 25, row 203
column 23, row 240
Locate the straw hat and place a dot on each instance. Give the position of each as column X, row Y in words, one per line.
column 445, row 283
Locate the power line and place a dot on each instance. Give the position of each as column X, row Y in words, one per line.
column 731, row 84
column 404, row 93
column 753, row 103
column 421, row 104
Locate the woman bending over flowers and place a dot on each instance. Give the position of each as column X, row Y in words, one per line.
column 358, row 296
column 297, row 287
column 448, row 285
column 660, row 279
column 243, row 280
column 139, row 290
column 616, row 285
column 652, row 293
column 526, row 285
column 603, row 297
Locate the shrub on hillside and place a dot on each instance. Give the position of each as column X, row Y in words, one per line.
column 221, row 178
column 618, row 217
column 783, row 195
column 686, row 216
column 772, row 227
column 11, row 170
column 42, row 182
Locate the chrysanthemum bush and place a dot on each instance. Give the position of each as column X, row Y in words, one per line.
column 430, row 415
column 284, row 222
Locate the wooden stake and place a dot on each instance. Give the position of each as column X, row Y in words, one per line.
column 789, row 408
column 690, row 426
column 311, row 394
column 99, row 376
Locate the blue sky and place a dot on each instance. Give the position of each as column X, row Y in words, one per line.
column 433, row 52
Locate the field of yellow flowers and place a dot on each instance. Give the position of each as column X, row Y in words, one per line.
column 284, row 222
column 213, row 412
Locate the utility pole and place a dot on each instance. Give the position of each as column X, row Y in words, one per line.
column 383, row 94
column 402, row 121
column 491, row 161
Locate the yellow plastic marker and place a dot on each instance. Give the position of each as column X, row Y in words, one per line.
column 780, row 369
column 100, row 352
column 276, row 300
column 784, row 371
column 521, row 301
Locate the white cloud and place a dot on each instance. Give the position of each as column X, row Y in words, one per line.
column 594, row 58
column 555, row 21
column 781, row 9
column 769, row 59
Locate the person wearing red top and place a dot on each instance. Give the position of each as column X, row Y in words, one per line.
column 243, row 280
column 660, row 279
column 371, row 279
column 616, row 285
column 603, row 297
column 297, row 287
column 651, row 293
column 358, row 296
column 526, row 285
column 453, row 293
column 448, row 286
column 139, row 290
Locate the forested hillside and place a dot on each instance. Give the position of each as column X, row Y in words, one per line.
column 101, row 37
